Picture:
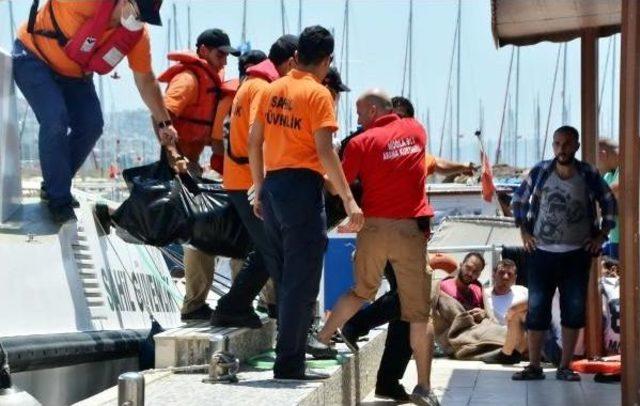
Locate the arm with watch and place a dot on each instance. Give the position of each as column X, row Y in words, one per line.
column 151, row 94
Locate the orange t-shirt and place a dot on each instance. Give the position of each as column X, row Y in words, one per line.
column 71, row 15
column 292, row 109
column 243, row 113
column 182, row 92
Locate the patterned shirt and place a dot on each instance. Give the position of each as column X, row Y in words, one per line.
column 526, row 198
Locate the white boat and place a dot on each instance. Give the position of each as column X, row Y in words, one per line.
column 75, row 304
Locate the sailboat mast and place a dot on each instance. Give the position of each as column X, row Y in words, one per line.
column 458, row 82
column 515, row 118
column 189, row 26
column 346, row 61
column 282, row 16
column 299, row 16
column 175, row 26
column 451, row 128
column 565, row 114
column 537, row 126
column 410, row 45
column 613, row 90
column 12, row 22
column 244, row 22
column 430, row 139
column 168, row 39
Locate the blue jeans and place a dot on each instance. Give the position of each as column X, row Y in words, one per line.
column 296, row 227
column 567, row 271
column 253, row 275
column 70, row 118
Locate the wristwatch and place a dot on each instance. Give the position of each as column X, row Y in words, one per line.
column 163, row 124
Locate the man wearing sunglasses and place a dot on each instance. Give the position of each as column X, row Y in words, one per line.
column 54, row 57
column 198, row 100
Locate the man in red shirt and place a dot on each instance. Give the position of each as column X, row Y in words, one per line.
column 389, row 160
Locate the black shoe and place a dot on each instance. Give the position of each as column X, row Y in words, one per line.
column 528, row 373
column 101, row 212
column 270, row 310
column 44, row 196
column 394, row 392
column 62, row 214
column 309, row 375
column 499, row 357
column 202, row 313
column 248, row 319
column 319, row 350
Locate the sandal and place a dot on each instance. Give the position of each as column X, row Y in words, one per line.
column 566, row 374
column 529, row 373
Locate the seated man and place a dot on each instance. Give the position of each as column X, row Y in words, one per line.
column 387, row 309
column 610, row 289
column 509, row 308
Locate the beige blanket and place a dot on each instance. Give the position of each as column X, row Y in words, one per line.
column 458, row 333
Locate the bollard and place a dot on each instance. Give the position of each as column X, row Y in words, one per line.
column 131, row 389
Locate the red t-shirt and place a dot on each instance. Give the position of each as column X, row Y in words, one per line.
column 389, row 160
column 469, row 298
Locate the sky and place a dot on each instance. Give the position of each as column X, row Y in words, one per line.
column 377, row 38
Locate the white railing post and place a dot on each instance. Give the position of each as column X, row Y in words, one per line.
column 10, row 168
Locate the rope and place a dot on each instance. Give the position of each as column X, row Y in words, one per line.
column 186, row 368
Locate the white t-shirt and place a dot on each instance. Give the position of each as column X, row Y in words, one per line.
column 502, row 303
column 610, row 288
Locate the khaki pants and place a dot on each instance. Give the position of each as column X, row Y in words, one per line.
column 198, row 270
column 403, row 244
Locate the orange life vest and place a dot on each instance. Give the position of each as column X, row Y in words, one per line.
column 83, row 47
column 196, row 121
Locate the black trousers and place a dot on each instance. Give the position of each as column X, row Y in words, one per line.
column 254, row 273
column 296, row 229
column 397, row 349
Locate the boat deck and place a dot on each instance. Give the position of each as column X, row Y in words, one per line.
column 472, row 383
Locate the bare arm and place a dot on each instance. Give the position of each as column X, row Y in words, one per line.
column 149, row 90
column 445, row 166
column 331, row 164
column 256, row 163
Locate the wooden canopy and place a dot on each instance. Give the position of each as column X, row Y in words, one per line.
column 527, row 22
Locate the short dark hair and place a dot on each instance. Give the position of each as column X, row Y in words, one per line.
column 283, row 49
column 403, row 103
column 568, row 130
column 507, row 263
column 474, row 254
column 315, row 44
column 250, row 58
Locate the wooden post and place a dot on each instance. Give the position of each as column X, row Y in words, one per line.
column 589, row 120
column 628, row 203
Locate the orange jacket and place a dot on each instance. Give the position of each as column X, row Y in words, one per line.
column 195, row 123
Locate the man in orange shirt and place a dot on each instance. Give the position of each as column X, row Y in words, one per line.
column 198, row 99
column 54, row 57
column 295, row 122
column 235, row 308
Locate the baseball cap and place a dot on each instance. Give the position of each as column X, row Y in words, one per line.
column 253, row 57
column 283, row 49
column 334, row 81
column 150, row 11
column 216, row 38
